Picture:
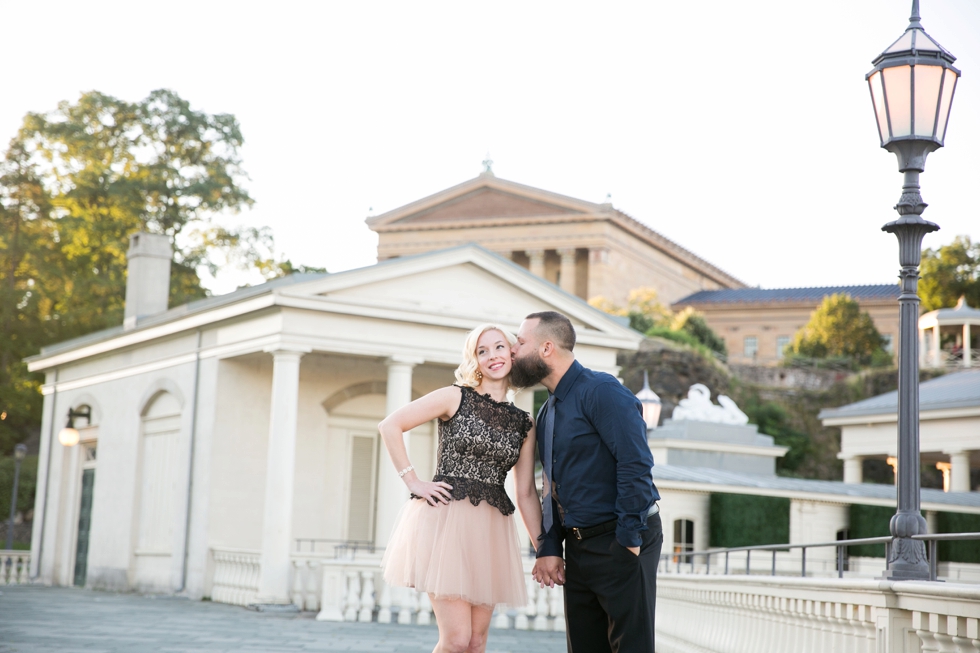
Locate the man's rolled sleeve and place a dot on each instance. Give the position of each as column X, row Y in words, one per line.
column 618, row 418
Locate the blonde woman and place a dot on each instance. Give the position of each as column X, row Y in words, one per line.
column 456, row 539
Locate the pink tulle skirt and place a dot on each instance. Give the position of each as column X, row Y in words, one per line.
column 457, row 551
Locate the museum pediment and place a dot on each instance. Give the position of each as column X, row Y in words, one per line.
column 482, row 199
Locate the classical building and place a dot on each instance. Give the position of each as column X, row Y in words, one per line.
column 758, row 323
column 950, row 337
column 229, row 447
column 949, row 430
column 587, row 249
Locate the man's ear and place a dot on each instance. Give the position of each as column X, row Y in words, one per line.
column 547, row 348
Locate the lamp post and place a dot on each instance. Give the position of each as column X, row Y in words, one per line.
column 912, row 87
column 651, row 403
column 20, row 451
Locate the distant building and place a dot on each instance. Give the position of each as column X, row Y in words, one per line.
column 758, row 323
column 949, row 430
column 587, row 249
column 950, row 337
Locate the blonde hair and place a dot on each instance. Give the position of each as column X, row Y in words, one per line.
column 468, row 371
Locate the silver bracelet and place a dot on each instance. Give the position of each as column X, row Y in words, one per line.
column 402, row 473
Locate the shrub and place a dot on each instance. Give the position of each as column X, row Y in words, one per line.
column 963, row 550
column 748, row 520
column 869, row 521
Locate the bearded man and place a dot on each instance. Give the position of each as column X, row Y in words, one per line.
column 599, row 496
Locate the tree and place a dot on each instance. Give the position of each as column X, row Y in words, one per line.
column 951, row 272
column 642, row 308
column 75, row 183
column 839, row 329
column 693, row 322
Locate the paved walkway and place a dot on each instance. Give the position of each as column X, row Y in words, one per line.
column 37, row 619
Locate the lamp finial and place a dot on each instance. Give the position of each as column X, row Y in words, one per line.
column 915, row 18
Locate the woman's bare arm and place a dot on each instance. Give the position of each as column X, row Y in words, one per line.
column 527, row 493
column 440, row 404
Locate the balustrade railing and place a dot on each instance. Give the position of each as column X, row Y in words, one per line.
column 350, row 587
column 15, row 567
column 736, row 614
column 236, row 576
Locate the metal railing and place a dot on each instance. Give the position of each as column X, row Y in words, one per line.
column 689, row 558
column 340, row 548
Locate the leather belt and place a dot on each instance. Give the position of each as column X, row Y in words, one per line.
column 605, row 527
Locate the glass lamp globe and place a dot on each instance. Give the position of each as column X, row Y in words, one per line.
column 68, row 436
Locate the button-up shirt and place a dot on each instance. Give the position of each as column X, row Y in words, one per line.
column 601, row 462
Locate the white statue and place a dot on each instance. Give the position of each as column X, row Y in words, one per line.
column 698, row 408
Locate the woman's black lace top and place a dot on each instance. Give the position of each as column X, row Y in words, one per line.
column 478, row 446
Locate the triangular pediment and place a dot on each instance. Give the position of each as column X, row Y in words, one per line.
column 468, row 283
column 480, row 199
column 483, row 204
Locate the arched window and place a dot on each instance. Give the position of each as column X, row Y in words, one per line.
column 683, row 539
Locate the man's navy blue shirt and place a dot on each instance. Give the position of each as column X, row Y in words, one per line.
column 601, row 460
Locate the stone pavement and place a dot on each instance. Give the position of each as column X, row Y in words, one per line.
column 35, row 619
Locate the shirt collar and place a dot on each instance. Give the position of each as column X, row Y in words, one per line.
column 568, row 380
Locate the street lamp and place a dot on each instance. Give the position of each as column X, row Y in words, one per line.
column 912, row 87
column 69, row 435
column 20, row 451
column 651, row 403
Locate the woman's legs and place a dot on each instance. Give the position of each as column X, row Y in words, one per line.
column 462, row 626
column 479, row 625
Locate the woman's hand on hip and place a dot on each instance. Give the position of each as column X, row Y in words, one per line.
column 432, row 492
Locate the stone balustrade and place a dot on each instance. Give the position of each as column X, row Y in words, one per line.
column 739, row 613
column 236, row 576
column 15, row 567
column 352, row 589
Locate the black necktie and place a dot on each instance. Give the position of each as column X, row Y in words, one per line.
column 549, row 438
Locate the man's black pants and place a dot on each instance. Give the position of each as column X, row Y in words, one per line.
column 610, row 593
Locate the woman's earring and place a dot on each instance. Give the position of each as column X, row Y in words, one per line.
column 479, row 374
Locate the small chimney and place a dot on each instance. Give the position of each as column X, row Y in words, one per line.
column 148, row 277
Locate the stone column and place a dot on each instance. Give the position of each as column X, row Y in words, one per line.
column 923, row 350
column 392, row 492
column 567, row 280
column 959, row 480
column 536, row 266
column 598, row 270
column 853, row 472
column 966, row 345
column 280, row 471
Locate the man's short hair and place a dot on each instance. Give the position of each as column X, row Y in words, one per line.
column 557, row 328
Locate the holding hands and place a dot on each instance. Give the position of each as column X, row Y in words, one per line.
column 549, row 570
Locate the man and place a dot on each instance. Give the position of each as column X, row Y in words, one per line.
column 599, row 496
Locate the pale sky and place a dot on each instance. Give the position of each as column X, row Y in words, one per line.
column 741, row 130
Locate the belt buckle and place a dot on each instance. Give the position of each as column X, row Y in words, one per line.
column 577, row 532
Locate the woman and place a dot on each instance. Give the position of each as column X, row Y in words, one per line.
column 456, row 539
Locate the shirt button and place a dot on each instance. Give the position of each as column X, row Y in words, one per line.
column 554, row 460
column 559, row 486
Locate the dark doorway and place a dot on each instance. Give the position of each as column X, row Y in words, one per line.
column 84, row 524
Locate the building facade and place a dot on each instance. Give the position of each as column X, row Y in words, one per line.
column 245, row 426
column 589, row 250
column 757, row 324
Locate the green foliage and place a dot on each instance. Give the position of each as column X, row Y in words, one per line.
column 74, row 184
column 950, row 272
column 691, row 322
column 868, row 521
column 26, row 486
column 962, row 550
column 748, row 520
column 772, row 419
column 839, row 329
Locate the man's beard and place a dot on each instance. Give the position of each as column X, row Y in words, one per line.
column 528, row 370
